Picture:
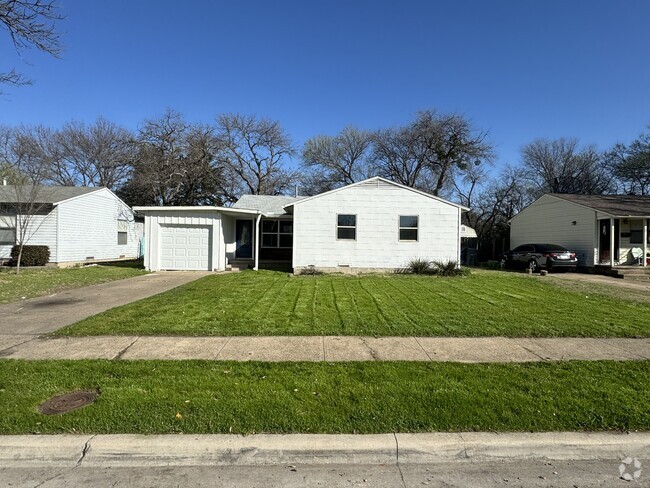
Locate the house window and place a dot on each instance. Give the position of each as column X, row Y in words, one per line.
column 7, row 236
column 636, row 231
column 122, row 232
column 346, row 227
column 408, row 227
column 7, row 230
column 277, row 233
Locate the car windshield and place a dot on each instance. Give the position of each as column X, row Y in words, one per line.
column 551, row 248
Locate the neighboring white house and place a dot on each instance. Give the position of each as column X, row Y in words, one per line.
column 373, row 224
column 78, row 224
column 589, row 225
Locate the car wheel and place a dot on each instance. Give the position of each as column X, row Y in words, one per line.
column 503, row 263
column 533, row 266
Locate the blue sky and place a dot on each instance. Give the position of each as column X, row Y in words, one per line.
column 519, row 69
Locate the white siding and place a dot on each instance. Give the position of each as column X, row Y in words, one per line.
column 88, row 228
column 550, row 220
column 42, row 232
column 154, row 222
column 377, row 205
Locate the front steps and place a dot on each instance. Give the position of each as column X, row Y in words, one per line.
column 636, row 273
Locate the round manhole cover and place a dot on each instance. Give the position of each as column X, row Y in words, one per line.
column 68, row 402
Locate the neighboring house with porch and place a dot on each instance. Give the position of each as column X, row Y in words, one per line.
column 603, row 230
column 370, row 225
column 78, row 224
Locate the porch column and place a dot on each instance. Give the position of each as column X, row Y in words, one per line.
column 645, row 242
column 257, row 242
column 612, row 252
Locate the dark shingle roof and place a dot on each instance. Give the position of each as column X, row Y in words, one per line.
column 267, row 204
column 617, row 205
column 42, row 194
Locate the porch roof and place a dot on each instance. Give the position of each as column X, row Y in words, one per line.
column 613, row 205
column 198, row 209
column 268, row 205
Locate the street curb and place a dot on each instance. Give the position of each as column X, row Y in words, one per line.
column 104, row 451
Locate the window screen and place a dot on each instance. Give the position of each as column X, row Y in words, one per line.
column 408, row 228
column 346, row 227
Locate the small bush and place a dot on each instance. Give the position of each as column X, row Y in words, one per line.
column 32, row 255
column 448, row 268
column 419, row 266
column 310, row 270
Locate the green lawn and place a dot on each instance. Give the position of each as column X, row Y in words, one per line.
column 149, row 397
column 487, row 303
column 33, row 282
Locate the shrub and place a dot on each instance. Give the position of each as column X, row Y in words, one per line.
column 448, row 268
column 310, row 270
column 419, row 266
column 32, row 255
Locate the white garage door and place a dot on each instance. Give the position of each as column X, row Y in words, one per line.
column 184, row 247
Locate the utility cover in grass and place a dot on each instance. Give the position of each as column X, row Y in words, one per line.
column 68, row 402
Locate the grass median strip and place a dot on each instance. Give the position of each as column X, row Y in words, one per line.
column 272, row 303
column 32, row 282
column 148, row 397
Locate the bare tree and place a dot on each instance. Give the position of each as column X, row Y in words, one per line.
column 631, row 165
column 36, row 152
column 492, row 203
column 175, row 164
column 561, row 166
column 30, row 23
column 430, row 152
column 100, row 154
column 20, row 200
column 255, row 150
column 333, row 161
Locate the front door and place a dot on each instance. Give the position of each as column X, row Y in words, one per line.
column 605, row 241
column 244, row 239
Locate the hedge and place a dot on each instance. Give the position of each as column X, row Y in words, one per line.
column 32, row 255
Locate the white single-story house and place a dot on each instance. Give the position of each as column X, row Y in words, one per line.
column 590, row 225
column 78, row 224
column 370, row 225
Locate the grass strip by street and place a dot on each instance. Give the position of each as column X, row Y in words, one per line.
column 147, row 397
column 273, row 303
column 35, row 282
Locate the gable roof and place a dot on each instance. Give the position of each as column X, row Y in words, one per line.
column 43, row 194
column 265, row 204
column 615, row 205
column 384, row 180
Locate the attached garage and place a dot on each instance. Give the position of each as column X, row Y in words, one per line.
column 191, row 238
column 185, row 247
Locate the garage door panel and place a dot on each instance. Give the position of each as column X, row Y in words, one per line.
column 185, row 247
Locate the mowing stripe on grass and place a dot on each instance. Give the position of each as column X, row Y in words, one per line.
column 271, row 303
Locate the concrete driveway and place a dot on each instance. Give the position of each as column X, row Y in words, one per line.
column 46, row 314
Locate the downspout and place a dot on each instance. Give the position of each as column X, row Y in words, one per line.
column 257, row 242
column 458, row 241
column 612, row 251
column 645, row 242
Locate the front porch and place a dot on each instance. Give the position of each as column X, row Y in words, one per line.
column 257, row 242
column 622, row 243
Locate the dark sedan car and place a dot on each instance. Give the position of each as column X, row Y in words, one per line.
column 540, row 256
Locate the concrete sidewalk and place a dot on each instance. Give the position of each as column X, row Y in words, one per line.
column 119, row 450
column 328, row 348
column 46, row 314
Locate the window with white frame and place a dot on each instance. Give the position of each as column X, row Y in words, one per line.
column 636, row 232
column 408, row 227
column 346, row 227
column 277, row 233
column 7, row 230
column 122, row 232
